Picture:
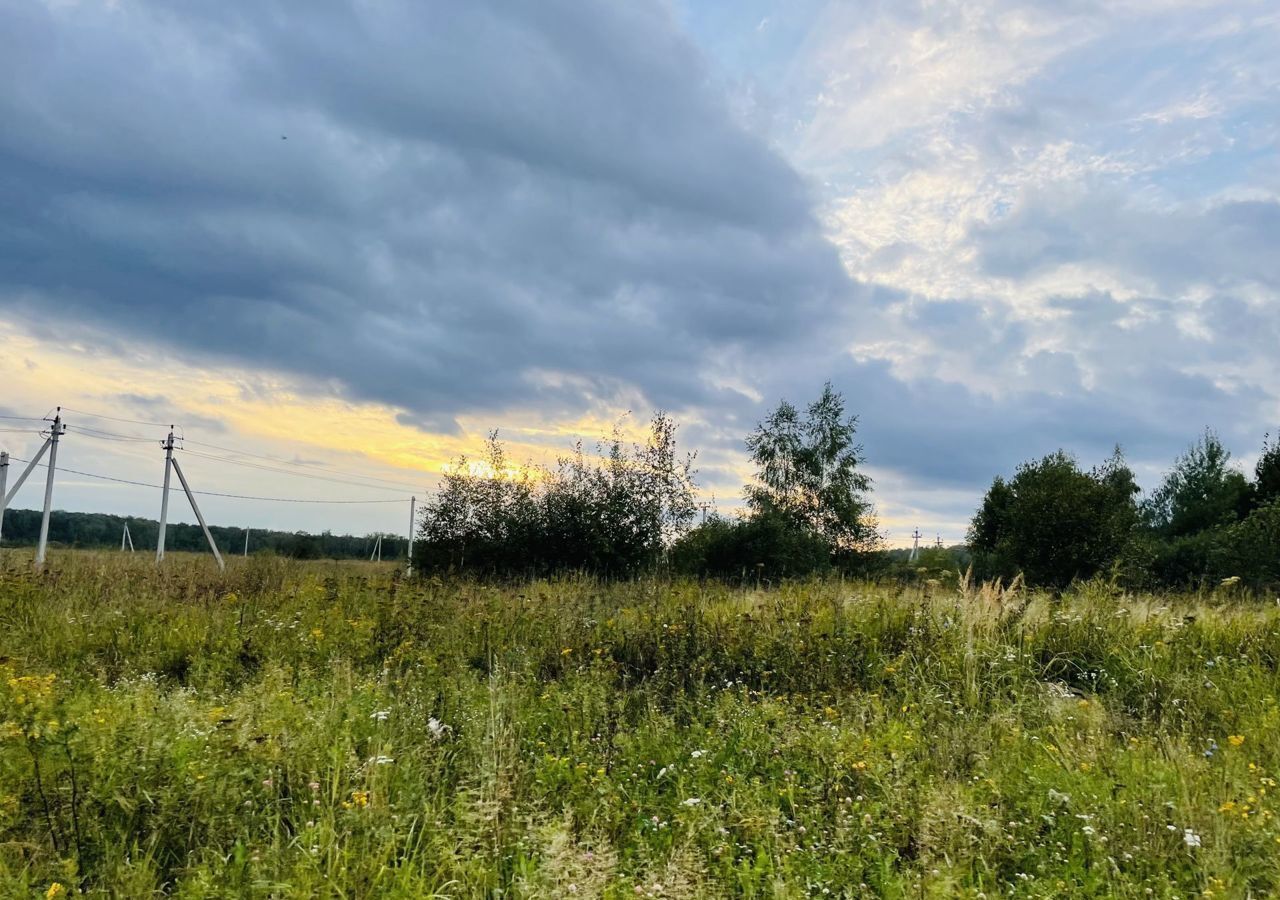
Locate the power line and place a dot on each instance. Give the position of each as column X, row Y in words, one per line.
column 111, row 435
column 251, row 465
column 117, row 418
column 23, row 418
column 202, row 493
column 295, row 463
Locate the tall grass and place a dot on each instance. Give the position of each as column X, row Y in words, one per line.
column 333, row 730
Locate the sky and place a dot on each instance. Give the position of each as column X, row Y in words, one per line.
column 353, row 241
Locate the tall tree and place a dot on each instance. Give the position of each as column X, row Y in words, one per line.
column 1054, row 522
column 1201, row 492
column 808, row 475
column 1266, row 474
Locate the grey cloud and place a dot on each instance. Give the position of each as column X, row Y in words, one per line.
column 418, row 203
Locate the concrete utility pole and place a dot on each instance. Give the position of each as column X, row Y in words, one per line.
column 246, row 543
column 126, row 538
column 164, row 495
column 377, row 550
column 413, row 504
column 55, row 432
column 915, row 545
column 4, row 477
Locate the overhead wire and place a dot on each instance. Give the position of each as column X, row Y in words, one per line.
column 265, row 468
column 297, row 464
column 95, row 415
column 160, row 487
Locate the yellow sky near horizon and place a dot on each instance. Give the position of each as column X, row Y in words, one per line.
column 261, row 412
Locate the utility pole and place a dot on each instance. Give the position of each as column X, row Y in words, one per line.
column 4, row 477
column 413, row 504
column 164, row 496
column 126, row 537
column 938, row 542
column 377, row 550
column 246, row 543
column 55, row 432
column 915, row 545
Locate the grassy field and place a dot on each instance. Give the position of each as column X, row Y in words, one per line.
column 331, row 730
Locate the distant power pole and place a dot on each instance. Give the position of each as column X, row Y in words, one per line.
column 126, row 538
column 915, row 545
column 164, row 496
column 55, row 432
column 413, row 509
column 171, row 465
column 4, row 477
column 246, row 542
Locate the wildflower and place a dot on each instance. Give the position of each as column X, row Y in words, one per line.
column 315, row 786
column 317, row 633
column 698, row 754
column 360, row 798
column 380, row 715
column 566, row 651
column 437, row 728
column 692, row 801
column 381, row 760
column 55, row 890
column 1190, row 838
column 1235, row 740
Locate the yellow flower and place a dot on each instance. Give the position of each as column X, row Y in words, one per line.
column 55, row 890
column 566, row 651
column 1235, row 740
column 317, row 633
column 360, row 798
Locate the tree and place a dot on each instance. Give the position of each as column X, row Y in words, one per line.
column 613, row 513
column 1054, row 522
column 807, row 471
column 1201, row 492
column 1266, row 474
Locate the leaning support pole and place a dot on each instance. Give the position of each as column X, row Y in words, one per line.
column 54, row 433
column 164, row 496
column 199, row 518
column 413, row 504
column 35, row 461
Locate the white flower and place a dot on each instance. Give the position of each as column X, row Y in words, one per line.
column 380, row 715
column 692, row 801
column 1190, row 838
column 698, row 754
column 437, row 728
column 381, row 760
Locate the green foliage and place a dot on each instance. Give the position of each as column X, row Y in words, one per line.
column 101, row 531
column 765, row 545
column 1054, row 523
column 614, row 513
column 327, row 730
column 1266, row 474
column 807, row 473
column 1202, row 491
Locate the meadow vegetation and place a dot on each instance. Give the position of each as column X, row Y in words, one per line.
column 309, row 729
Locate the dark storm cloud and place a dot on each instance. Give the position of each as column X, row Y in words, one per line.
column 442, row 206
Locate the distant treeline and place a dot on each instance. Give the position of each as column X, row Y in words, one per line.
column 102, row 531
column 631, row 509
